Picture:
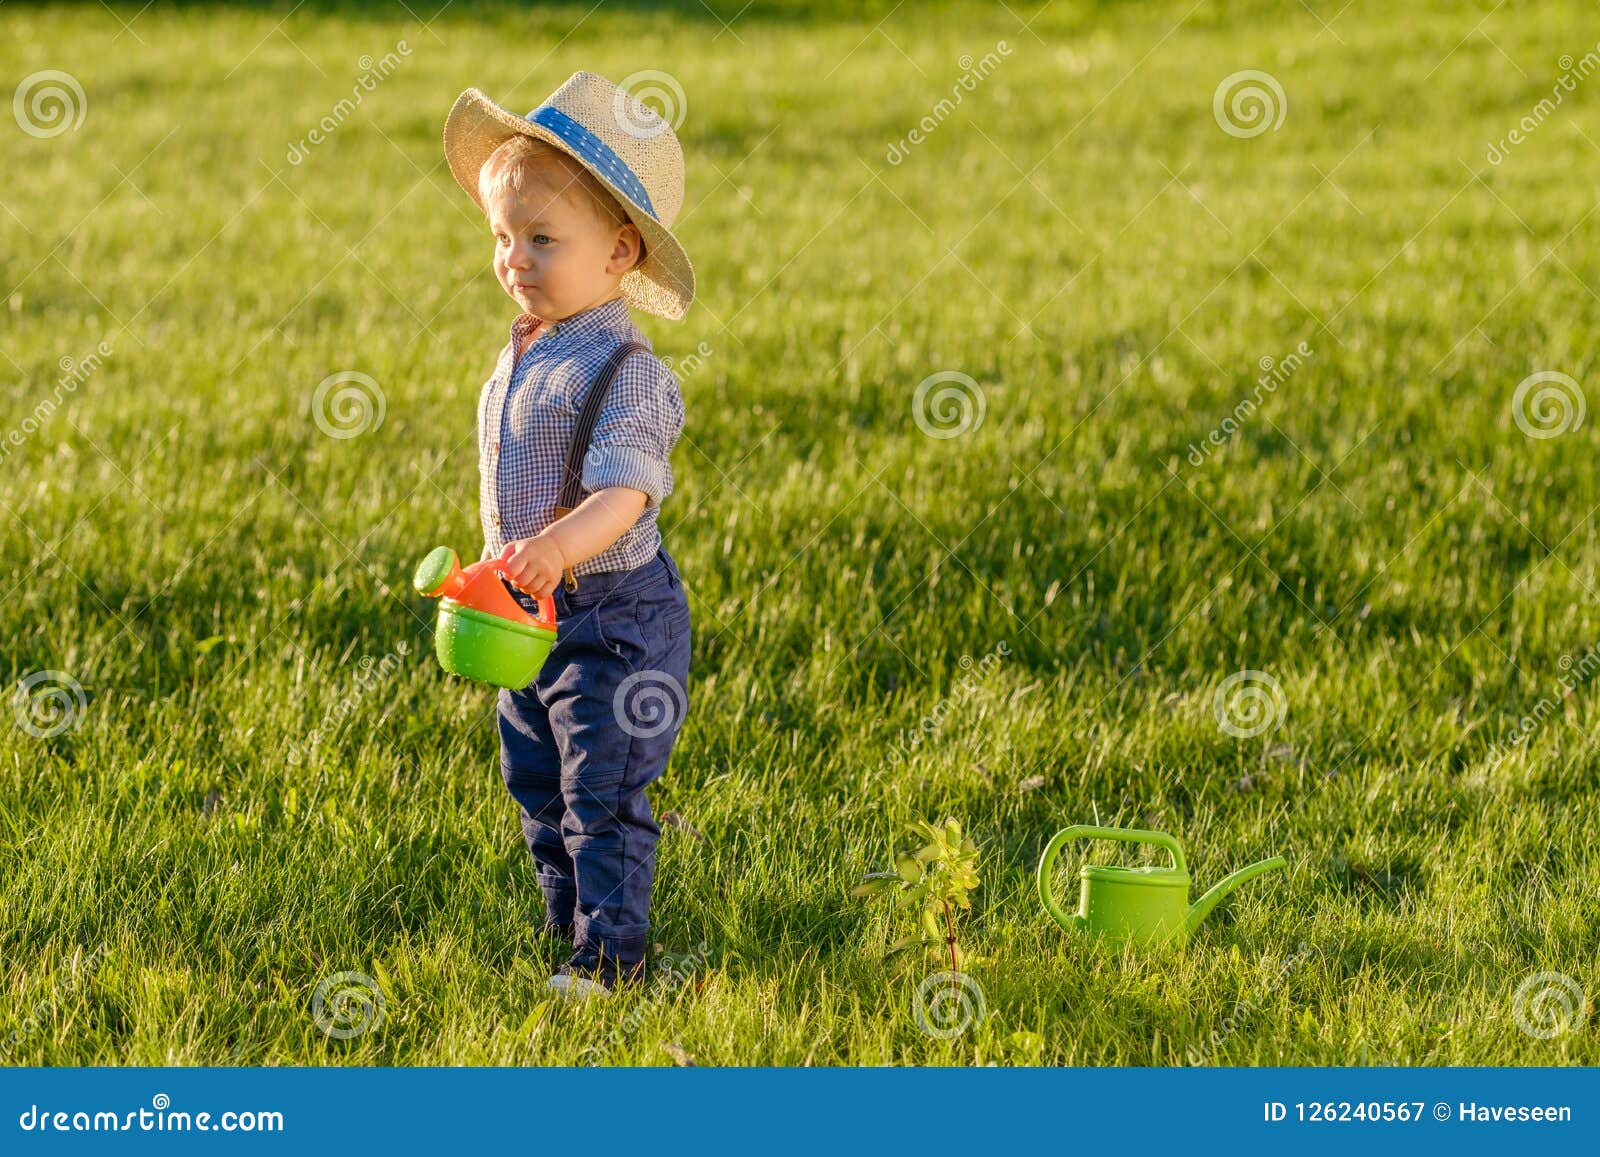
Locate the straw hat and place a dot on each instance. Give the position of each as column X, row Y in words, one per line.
column 622, row 141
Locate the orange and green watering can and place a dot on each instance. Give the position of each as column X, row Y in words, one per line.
column 1138, row 905
column 483, row 632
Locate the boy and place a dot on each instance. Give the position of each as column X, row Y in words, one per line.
column 579, row 196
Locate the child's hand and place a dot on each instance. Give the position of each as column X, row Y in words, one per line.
column 535, row 564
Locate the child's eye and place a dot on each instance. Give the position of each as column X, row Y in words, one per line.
column 501, row 239
column 540, row 239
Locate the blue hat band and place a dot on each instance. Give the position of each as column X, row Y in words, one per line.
column 591, row 148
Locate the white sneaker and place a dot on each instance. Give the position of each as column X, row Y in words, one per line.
column 574, row 987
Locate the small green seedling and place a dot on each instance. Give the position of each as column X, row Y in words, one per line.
column 939, row 877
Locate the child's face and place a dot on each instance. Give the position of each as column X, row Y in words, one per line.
column 554, row 255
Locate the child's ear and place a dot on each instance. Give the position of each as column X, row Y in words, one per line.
column 628, row 250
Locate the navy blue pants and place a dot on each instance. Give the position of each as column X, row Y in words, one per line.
column 580, row 743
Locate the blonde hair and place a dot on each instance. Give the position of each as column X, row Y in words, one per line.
column 522, row 159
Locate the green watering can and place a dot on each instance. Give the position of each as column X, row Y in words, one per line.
column 483, row 632
column 1140, row 905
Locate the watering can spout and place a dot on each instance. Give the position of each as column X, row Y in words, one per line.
column 1201, row 908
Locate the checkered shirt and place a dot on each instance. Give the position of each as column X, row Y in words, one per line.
column 527, row 415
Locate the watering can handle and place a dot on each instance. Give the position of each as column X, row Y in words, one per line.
column 547, row 605
column 1126, row 835
column 1047, row 861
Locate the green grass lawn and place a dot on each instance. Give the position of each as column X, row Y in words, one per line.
column 268, row 780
